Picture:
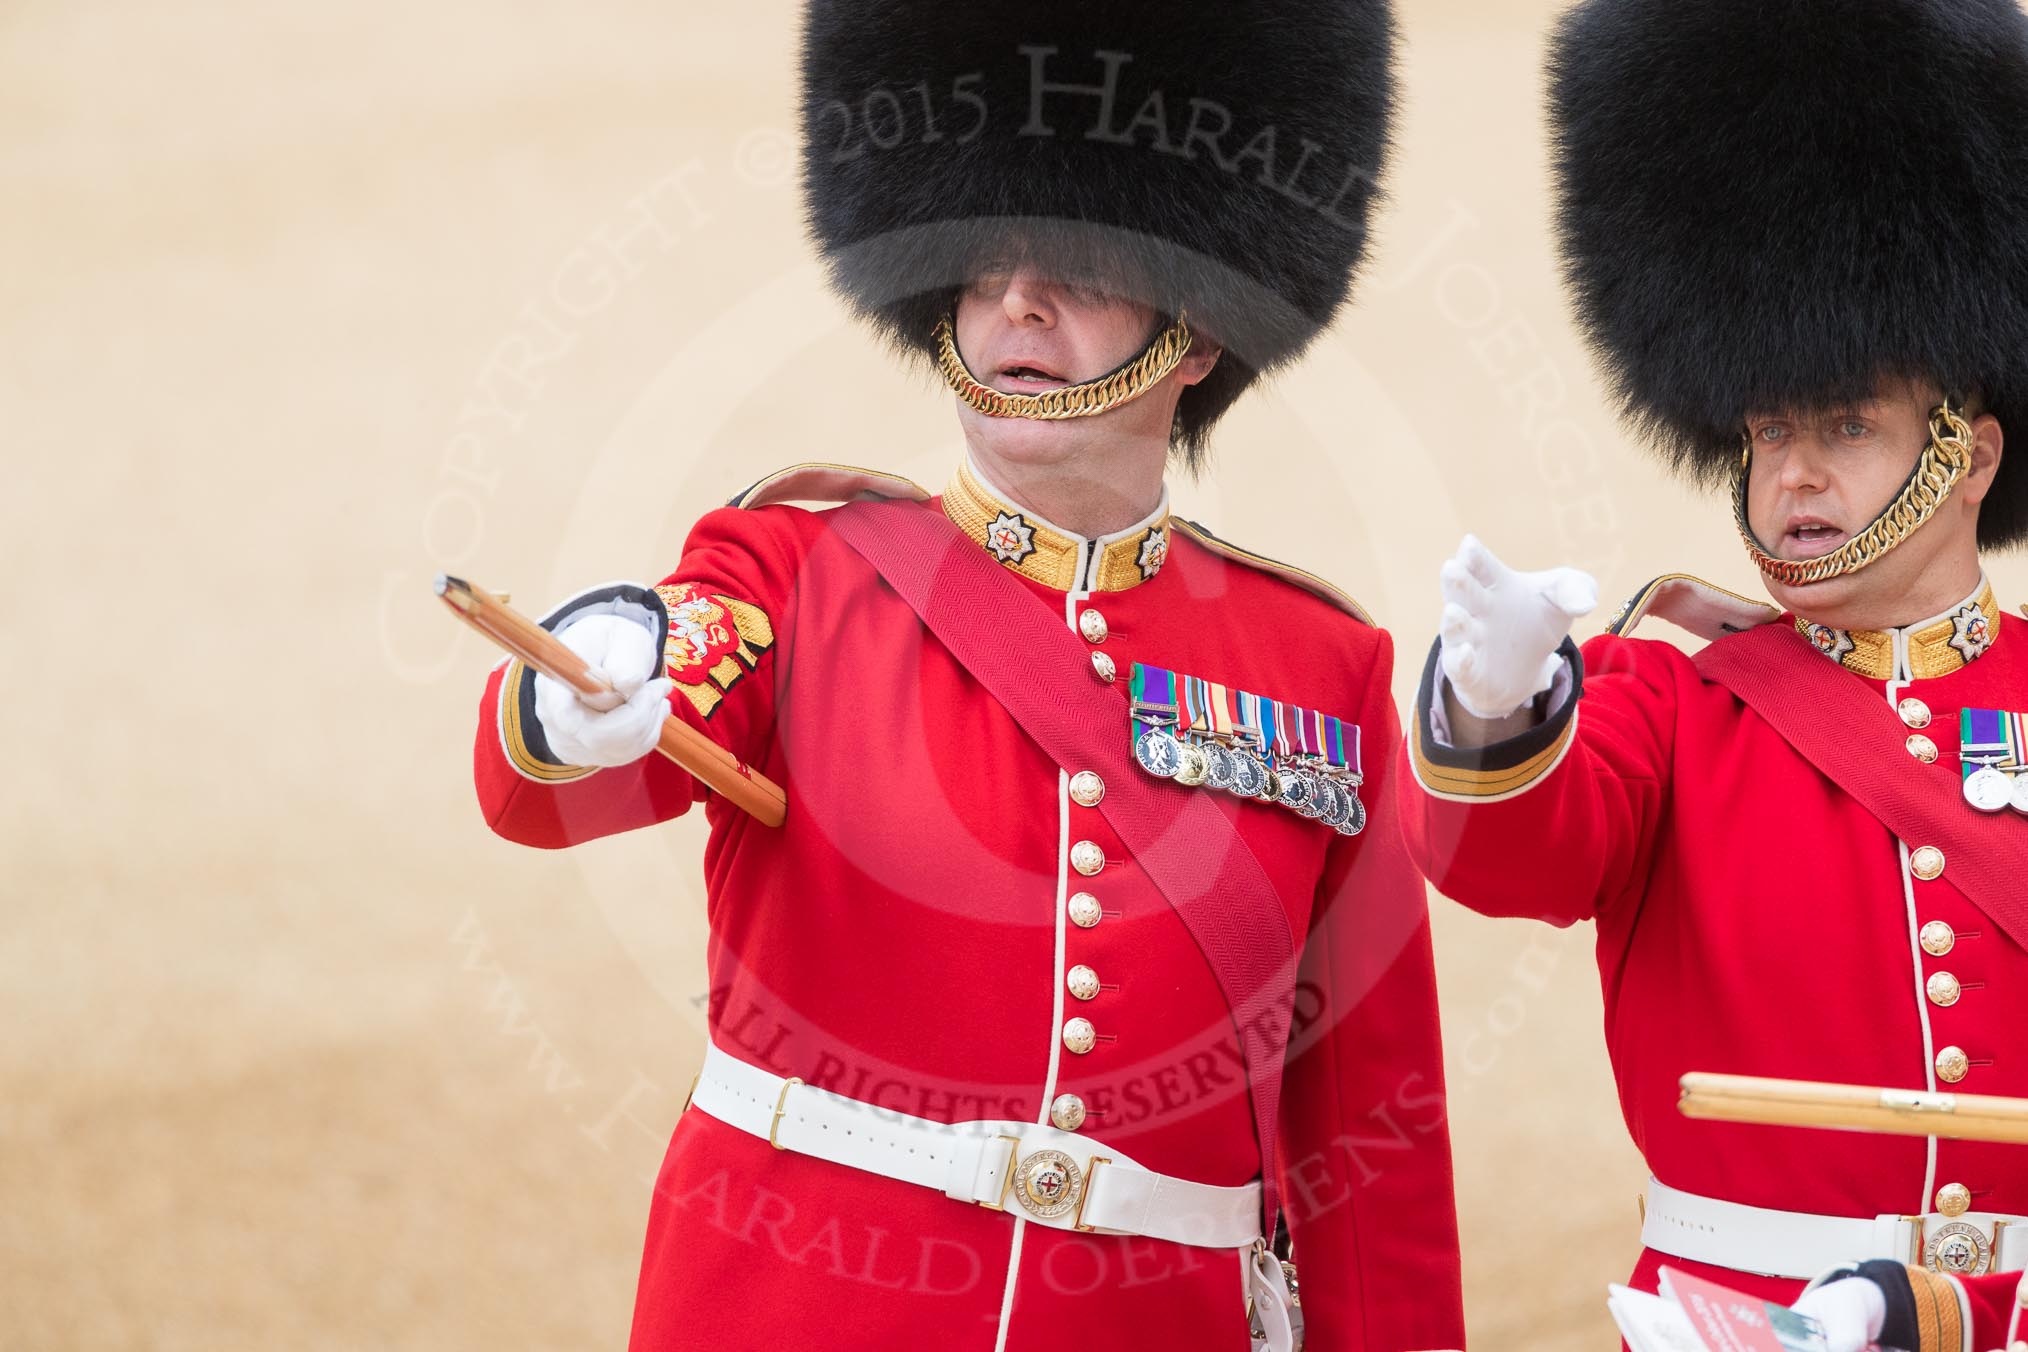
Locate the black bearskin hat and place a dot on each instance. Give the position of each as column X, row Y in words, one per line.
column 1217, row 159
column 1774, row 204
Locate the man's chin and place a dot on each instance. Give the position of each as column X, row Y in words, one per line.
column 1038, row 441
column 1848, row 601
column 1026, row 440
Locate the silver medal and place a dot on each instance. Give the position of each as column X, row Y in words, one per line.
column 1356, row 823
column 2020, row 795
column 1295, row 788
column 1988, row 790
column 1329, row 801
column 1249, row 778
column 1314, row 802
column 1159, row 753
column 1224, row 766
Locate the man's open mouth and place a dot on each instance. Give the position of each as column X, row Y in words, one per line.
column 1028, row 378
column 1811, row 539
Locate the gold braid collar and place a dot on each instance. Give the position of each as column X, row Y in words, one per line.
column 1161, row 356
column 1945, row 461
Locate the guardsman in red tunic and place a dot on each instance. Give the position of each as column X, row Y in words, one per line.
column 1797, row 236
column 1078, row 958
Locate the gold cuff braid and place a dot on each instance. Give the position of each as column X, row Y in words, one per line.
column 1939, row 1322
column 1944, row 462
column 1162, row 355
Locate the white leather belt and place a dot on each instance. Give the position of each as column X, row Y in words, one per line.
column 1059, row 1179
column 1798, row 1245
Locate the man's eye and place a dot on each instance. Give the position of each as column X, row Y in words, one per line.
column 1769, row 433
column 1854, row 430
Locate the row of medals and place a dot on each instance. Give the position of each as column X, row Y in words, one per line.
column 1308, row 785
column 1991, row 790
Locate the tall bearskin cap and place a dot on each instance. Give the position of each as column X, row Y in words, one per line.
column 1220, row 160
column 1774, row 204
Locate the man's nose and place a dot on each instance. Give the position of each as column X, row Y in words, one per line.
column 1805, row 465
column 1030, row 298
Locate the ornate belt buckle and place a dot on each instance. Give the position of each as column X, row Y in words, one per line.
column 1048, row 1184
column 1956, row 1248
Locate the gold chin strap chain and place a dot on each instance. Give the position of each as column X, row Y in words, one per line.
column 1945, row 461
column 1161, row 356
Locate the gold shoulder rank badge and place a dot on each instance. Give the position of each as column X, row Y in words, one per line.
column 714, row 641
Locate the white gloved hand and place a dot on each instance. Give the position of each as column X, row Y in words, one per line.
column 1501, row 629
column 1851, row 1313
column 627, row 727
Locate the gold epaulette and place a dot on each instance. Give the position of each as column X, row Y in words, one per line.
column 1710, row 612
column 1309, row 582
column 816, row 482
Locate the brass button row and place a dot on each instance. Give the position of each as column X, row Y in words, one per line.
column 1093, row 626
column 1067, row 1112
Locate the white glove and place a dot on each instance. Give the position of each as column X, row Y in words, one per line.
column 1851, row 1313
column 614, row 729
column 1501, row 629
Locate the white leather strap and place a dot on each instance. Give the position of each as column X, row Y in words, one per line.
column 1271, row 1314
column 1799, row 1245
column 970, row 1161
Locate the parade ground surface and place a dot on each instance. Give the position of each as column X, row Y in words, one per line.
column 303, row 305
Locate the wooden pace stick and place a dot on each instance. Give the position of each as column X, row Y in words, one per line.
column 1854, row 1107
column 721, row 771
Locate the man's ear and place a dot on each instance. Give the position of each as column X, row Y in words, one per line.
column 1198, row 361
column 1988, row 443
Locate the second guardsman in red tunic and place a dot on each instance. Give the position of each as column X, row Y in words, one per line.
column 1797, row 235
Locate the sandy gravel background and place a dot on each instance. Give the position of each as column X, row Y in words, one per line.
column 303, row 303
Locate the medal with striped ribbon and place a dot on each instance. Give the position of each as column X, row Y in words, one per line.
column 1154, row 713
column 1991, row 747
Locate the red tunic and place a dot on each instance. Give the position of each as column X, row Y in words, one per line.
column 903, row 939
column 1753, row 918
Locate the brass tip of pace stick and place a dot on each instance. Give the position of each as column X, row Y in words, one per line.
column 455, row 590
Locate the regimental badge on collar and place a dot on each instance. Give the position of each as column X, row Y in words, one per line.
column 1154, row 551
column 1010, row 537
column 1993, row 757
column 1832, row 643
column 1198, row 732
column 1971, row 631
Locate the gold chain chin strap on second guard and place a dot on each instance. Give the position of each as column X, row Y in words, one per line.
column 1130, row 382
column 1945, row 461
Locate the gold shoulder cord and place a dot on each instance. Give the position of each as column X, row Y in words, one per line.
column 1162, row 355
column 1945, row 461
